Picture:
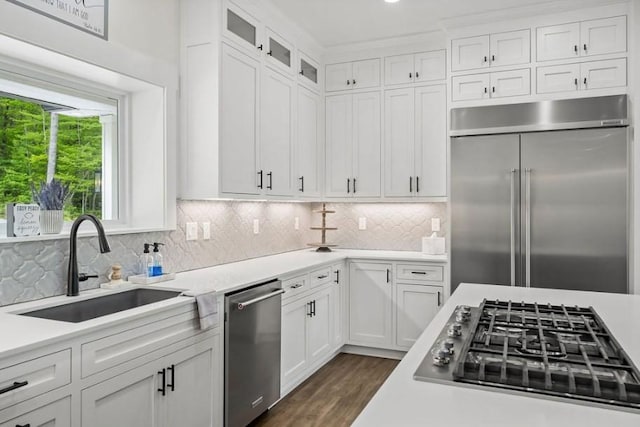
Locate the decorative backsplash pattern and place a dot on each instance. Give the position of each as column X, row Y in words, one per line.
column 34, row 270
column 390, row 226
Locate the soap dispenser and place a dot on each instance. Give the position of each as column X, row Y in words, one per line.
column 146, row 261
column 157, row 259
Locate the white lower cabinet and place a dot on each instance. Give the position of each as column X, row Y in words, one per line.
column 339, row 303
column 370, row 304
column 416, row 306
column 173, row 390
column 55, row 414
column 388, row 313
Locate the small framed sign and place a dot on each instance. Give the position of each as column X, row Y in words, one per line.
column 23, row 220
column 90, row 16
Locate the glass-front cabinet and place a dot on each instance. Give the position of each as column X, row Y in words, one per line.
column 308, row 71
column 279, row 51
column 243, row 29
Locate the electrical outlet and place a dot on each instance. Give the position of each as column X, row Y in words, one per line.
column 296, row 223
column 192, row 231
column 435, row 224
column 206, row 230
column 362, row 223
column 256, row 226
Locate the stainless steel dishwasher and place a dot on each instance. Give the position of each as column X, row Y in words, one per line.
column 252, row 352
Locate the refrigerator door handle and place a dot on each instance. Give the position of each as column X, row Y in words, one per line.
column 512, row 231
column 527, row 225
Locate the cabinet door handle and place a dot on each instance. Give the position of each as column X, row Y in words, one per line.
column 310, row 313
column 575, row 48
column 172, row 386
column 14, row 386
column 585, row 81
column 439, row 301
column 410, row 75
column 301, row 184
column 410, row 184
column 575, row 81
column 301, row 72
column 388, row 275
column 417, row 184
column 313, row 308
column 260, row 182
column 260, row 47
column 270, row 53
column 337, row 276
column 348, row 82
column 354, row 186
column 493, row 58
column 353, row 81
column 493, row 89
column 348, row 185
column 486, row 90
column 585, row 47
column 163, row 389
column 270, row 186
column 485, row 59
column 417, row 75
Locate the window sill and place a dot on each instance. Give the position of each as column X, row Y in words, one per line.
column 88, row 232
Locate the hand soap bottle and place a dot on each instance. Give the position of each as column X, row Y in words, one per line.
column 146, row 261
column 157, row 259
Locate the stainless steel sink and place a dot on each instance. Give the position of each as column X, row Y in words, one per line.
column 101, row 306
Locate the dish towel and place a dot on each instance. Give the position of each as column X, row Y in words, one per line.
column 207, row 303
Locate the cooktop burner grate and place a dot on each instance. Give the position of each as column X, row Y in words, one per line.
column 549, row 349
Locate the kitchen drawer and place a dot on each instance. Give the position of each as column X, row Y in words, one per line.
column 39, row 375
column 120, row 347
column 420, row 272
column 57, row 413
column 320, row 277
column 294, row 286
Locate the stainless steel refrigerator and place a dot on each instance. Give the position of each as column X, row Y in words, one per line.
column 539, row 195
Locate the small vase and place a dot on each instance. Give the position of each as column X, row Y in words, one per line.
column 51, row 222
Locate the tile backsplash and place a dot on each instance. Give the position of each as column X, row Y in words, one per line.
column 34, row 270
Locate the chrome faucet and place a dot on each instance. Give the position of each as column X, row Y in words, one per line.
column 73, row 277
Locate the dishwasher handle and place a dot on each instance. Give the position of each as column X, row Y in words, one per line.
column 243, row 305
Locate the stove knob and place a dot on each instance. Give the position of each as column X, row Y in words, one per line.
column 465, row 309
column 441, row 358
column 455, row 330
column 461, row 317
column 448, row 344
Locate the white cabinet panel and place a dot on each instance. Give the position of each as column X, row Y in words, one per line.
column 417, row 306
column 366, row 145
column 242, row 29
column 370, row 304
column 430, row 66
column 366, row 74
column 510, row 48
column 558, row 78
column 600, row 36
column 558, row 41
column 238, row 122
column 276, row 135
column 294, row 340
column 603, row 74
column 339, row 299
column 470, row 53
column 472, row 87
column 339, row 134
column 56, row 414
column 279, row 52
column 399, row 142
column 431, row 141
column 338, row 77
column 510, row 83
column 308, row 147
column 319, row 326
column 398, row 69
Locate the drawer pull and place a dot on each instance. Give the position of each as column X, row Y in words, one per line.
column 419, row 272
column 23, row 425
column 324, row 276
column 296, row 286
column 15, row 385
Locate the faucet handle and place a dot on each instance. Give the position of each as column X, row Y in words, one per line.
column 82, row 277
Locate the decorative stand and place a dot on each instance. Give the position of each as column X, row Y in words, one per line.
column 323, row 246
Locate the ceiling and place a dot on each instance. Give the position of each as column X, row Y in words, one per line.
column 340, row 22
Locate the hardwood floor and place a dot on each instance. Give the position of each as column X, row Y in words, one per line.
column 333, row 396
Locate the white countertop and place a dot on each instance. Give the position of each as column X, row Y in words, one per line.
column 402, row 401
column 23, row 333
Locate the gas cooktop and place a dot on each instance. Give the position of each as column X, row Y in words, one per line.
column 554, row 351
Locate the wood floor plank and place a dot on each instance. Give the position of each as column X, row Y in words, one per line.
column 333, row 396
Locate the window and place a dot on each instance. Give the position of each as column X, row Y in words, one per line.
column 49, row 131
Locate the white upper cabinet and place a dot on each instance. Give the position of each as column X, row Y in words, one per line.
column 600, row 36
column 352, row 75
column 239, row 94
column 308, row 71
column 471, row 87
column 243, row 29
column 279, row 52
column 510, row 83
column 308, row 147
column 586, row 75
column 510, row 48
column 493, row 50
column 339, row 134
column 414, row 68
column 399, row 143
column 470, row 53
column 595, row 37
column 276, row 134
column 558, row 78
